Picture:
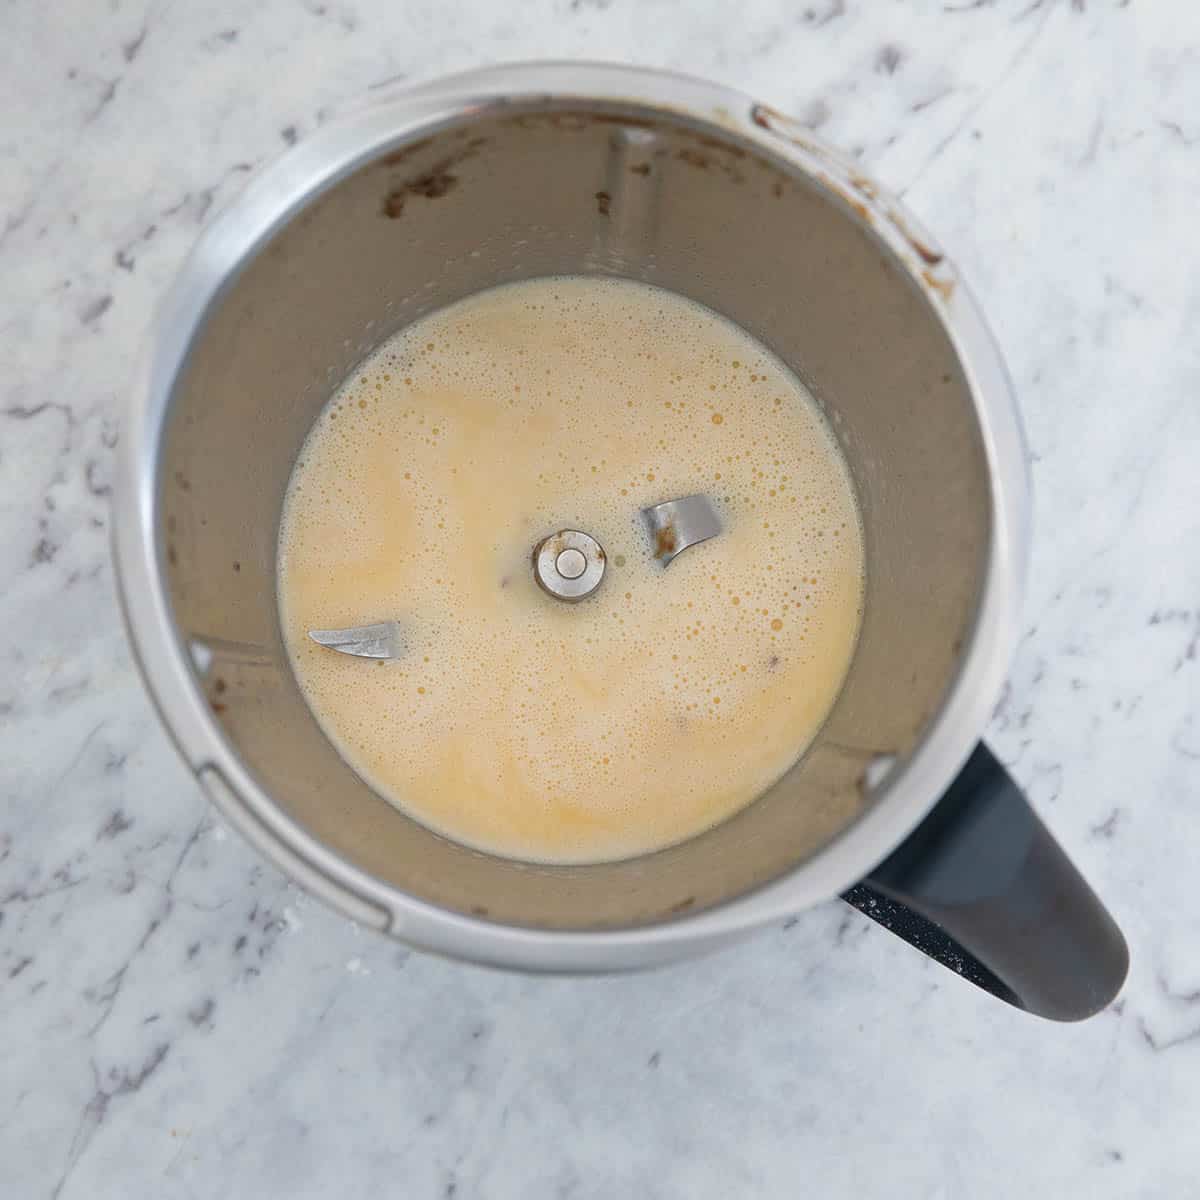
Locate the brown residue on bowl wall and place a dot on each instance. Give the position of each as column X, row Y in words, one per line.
column 702, row 160
column 439, row 180
column 433, row 185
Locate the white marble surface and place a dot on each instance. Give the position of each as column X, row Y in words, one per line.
column 178, row 1021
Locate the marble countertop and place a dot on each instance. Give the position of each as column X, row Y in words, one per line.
column 178, row 1021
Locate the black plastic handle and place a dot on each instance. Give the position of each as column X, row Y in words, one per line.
column 981, row 887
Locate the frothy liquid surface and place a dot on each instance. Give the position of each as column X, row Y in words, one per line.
column 660, row 705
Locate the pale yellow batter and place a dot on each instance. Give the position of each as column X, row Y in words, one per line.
column 660, row 705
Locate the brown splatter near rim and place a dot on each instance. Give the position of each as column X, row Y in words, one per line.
column 665, row 541
column 925, row 252
column 642, row 169
column 760, row 114
column 434, row 184
column 683, row 904
column 603, row 203
column 931, row 257
column 766, row 117
column 862, row 184
column 437, row 181
column 702, row 160
column 943, row 287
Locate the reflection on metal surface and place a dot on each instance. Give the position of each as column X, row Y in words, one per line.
column 677, row 524
column 877, row 770
column 382, row 640
column 207, row 650
column 569, row 565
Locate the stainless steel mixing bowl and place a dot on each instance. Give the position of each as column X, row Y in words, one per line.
column 569, row 168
